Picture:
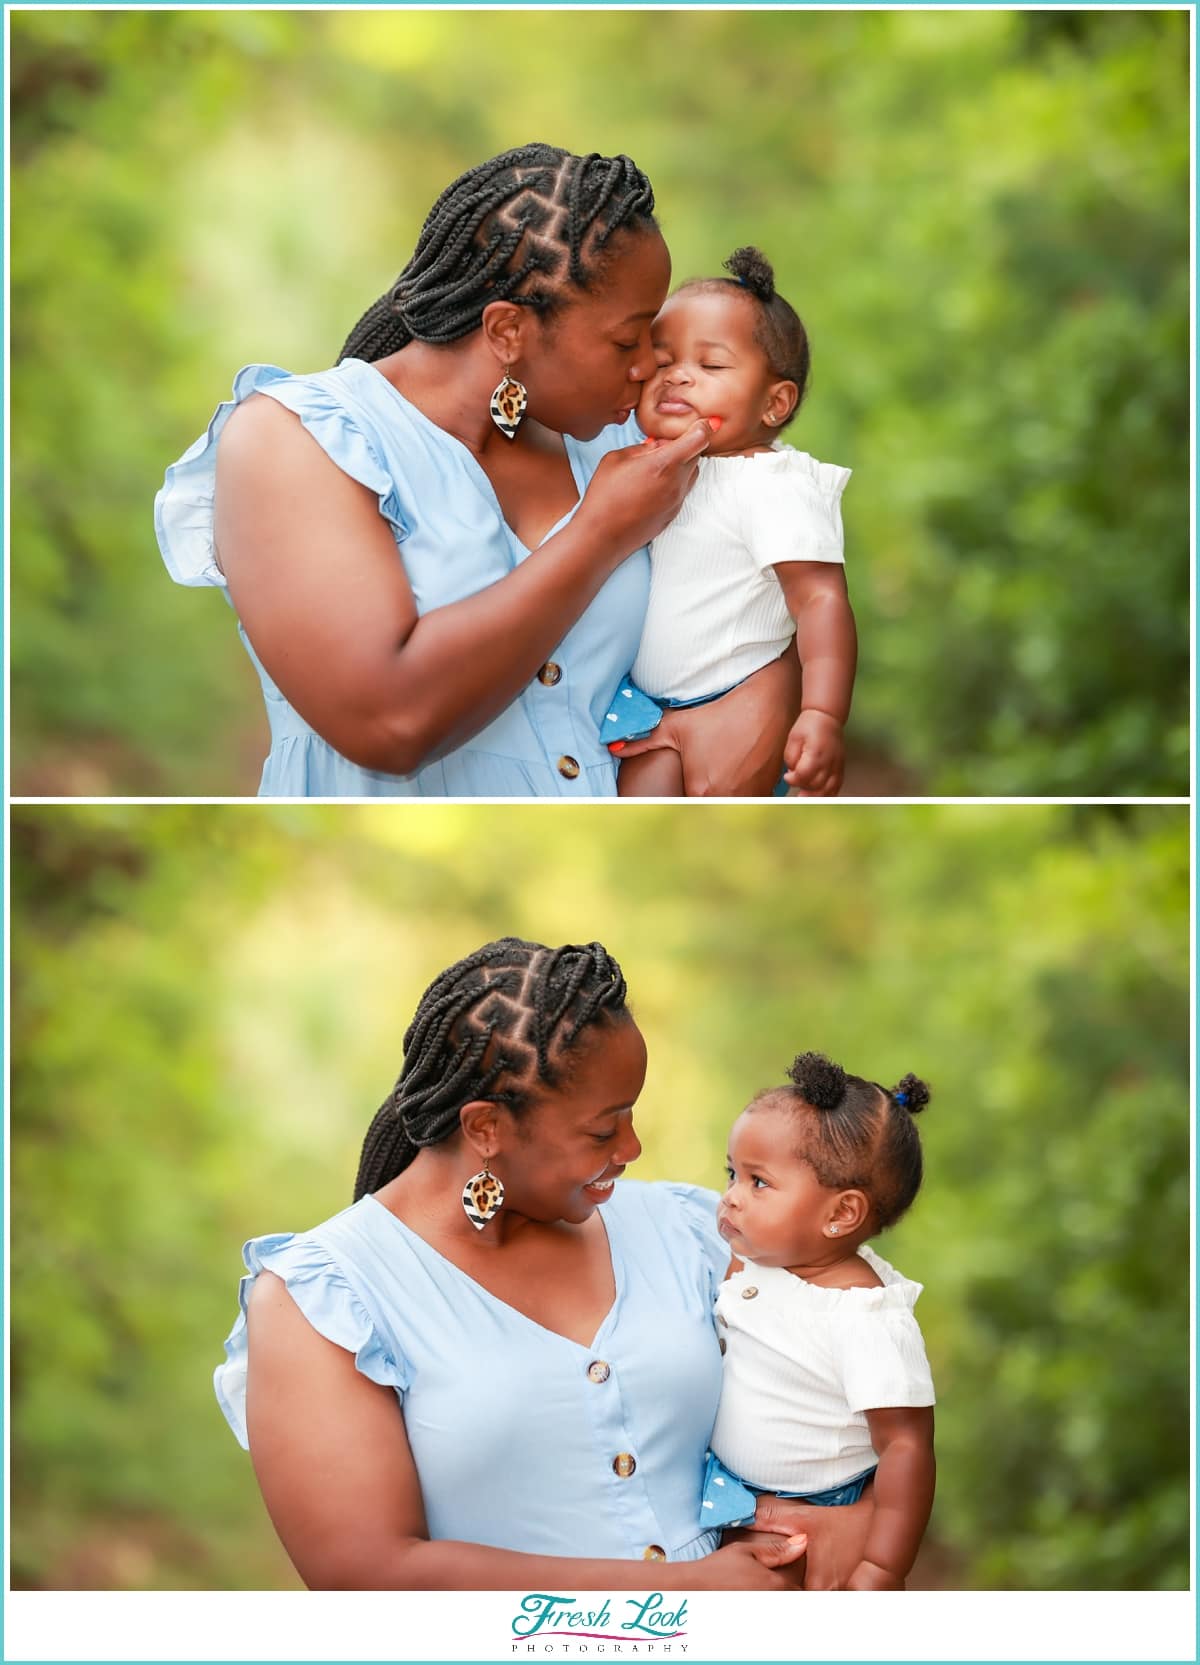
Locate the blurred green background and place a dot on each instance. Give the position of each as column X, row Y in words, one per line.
column 982, row 216
column 207, row 1008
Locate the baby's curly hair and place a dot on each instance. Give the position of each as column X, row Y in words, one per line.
column 777, row 328
column 855, row 1134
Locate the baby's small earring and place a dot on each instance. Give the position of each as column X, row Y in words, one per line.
column 833, row 1231
column 508, row 403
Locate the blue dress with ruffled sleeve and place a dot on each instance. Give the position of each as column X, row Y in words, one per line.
column 522, row 1438
column 453, row 541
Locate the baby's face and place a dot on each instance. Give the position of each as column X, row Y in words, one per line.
column 709, row 364
column 775, row 1209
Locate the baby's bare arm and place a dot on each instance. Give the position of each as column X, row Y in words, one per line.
column 904, row 1484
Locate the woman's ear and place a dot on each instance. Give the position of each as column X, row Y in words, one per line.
column 781, row 402
column 504, row 326
column 479, row 1121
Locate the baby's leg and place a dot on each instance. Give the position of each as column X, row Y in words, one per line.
column 733, row 746
column 655, row 774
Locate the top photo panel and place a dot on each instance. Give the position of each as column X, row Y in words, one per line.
column 522, row 404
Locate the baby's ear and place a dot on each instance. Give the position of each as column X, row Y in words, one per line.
column 781, row 402
column 852, row 1212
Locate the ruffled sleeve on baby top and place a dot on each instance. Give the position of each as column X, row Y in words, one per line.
column 183, row 508
column 322, row 1291
column 791, row 507
column 880, row 1348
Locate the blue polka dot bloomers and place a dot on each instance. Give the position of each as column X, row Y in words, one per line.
column 634, row 714
column 728, row 1501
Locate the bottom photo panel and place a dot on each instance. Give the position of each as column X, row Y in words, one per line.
column 686, row 1198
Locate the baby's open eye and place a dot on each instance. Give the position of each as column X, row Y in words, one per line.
column 729, row 1174
column 758, row 1180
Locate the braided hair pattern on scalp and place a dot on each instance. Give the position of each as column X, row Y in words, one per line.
column 494, row 1026
column 860, row 1136
column 518, row 228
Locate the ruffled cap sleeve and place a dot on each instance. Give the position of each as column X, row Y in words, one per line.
column 325, row 1297
column 791, row 507
column 697, row 1209
column 183, row 508
column 882, row 1357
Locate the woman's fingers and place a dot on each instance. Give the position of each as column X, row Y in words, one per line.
column 781, row 1552
column 689, row 443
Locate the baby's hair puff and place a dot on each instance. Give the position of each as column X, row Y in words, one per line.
column 857, row 1134
column 778, row 330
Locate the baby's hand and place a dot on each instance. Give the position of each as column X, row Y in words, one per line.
column 867, row 1576
column 815, row 755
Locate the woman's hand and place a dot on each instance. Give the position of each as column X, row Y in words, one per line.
column 314, row 572
column 766, row 1563
column 733, row 747
column 836, row 1537
column 635, row 492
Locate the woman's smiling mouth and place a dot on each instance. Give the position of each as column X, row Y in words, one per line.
column 600, row 1188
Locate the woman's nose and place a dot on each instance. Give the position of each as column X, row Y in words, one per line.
column 630, row 1147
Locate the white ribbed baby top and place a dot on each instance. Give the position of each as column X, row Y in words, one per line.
column 803, row 1363
column 716, row 611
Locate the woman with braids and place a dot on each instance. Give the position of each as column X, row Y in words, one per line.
column 498, row 1368
column 826, row 1385
column 436, row 550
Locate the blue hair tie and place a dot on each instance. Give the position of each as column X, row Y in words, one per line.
column 901, row 1098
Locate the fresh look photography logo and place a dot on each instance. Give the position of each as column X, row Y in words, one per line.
column 639, row 1627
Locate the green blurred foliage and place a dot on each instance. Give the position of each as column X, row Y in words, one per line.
column 982, row 216
column 208, row 1005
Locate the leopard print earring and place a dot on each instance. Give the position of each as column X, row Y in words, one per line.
column 482, row 1196
column 508, row 404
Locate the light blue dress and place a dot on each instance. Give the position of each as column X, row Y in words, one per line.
column 453, row 540
column 573, row 1450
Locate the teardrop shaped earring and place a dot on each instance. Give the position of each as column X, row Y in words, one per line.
column 482, row 1196
column 508, row 404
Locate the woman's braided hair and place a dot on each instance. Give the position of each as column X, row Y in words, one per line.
column 860, row 1136
column 494, row 1026
column 511, row 229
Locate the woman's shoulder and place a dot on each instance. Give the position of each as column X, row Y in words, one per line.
column 333, row 407
column 678, row 1218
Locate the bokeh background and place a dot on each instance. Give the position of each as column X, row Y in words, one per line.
column 208, row 1005
column 982, row 216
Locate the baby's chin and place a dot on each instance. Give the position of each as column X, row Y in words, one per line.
column 655, row 425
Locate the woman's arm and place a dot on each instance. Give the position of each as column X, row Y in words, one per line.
column 827, row 645
column 904, row 1484
column 314, row 575
column 333, row 1461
